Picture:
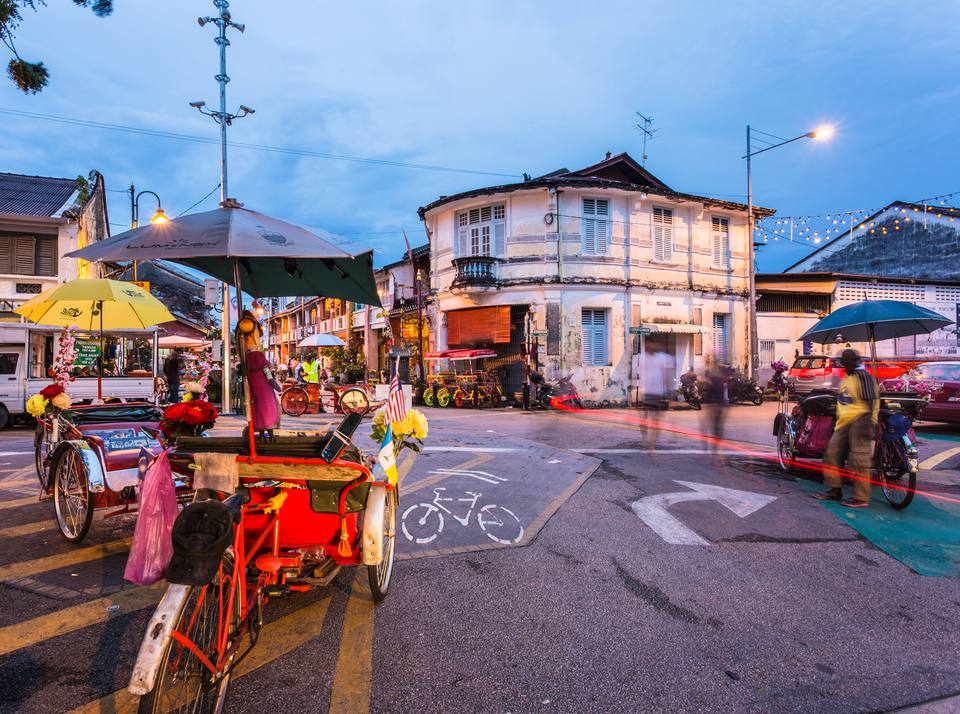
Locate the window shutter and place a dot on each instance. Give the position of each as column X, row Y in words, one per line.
column 596, row 227
column 594, row 336
column 47, row 257
column 662, row 234
column 499, row 240
column 463, row 246
column 589, row 235
column 6, row 255
column 720, row 233
column 23, row 255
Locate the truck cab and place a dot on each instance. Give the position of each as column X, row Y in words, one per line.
column 12, row 380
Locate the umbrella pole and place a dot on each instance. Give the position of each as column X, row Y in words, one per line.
column 100, row 361
column 873, row 350
column 242, row 355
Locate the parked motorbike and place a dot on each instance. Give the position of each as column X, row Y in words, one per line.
column 740, row 389
column 553, row 395
column 689, row 390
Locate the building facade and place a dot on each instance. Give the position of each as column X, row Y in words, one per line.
column 583, row 272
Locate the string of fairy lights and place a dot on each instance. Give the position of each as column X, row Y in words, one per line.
column 816, row 229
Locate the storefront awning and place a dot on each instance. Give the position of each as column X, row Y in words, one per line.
column 675, row 329
column 460, row 354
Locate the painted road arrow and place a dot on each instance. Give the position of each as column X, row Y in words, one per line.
column 652, row 510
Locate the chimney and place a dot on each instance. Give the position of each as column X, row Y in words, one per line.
column 609, row 154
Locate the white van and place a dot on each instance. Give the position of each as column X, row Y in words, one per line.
column 27, row 352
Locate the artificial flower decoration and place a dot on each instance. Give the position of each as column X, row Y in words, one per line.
column 408, row 433
column 37, row 406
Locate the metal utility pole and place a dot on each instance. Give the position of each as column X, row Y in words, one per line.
column 223, row 21
column 646, row 128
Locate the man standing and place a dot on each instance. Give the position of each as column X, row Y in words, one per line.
column 858, row 406
column 171, row 371
column 311, row 370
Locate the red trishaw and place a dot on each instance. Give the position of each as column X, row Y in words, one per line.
column 304, row 505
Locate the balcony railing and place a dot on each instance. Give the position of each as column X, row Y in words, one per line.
column 476, row 270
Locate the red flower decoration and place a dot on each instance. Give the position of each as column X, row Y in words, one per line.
column 51, row 391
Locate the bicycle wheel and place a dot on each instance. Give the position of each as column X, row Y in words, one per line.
column 42, row 446
column 294, row 401
column 897, row 481
column 459, row 398
column 379, row 575
column 422, row 523
column 184, row 683
column 443, row 397
column 72, row 500
column 784, row 447
column 500, row 524
column 427, row 397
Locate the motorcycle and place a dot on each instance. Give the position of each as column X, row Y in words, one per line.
column 552, row 395
column 740, row 389
column 689, row 390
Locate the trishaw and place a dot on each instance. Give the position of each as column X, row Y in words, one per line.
column 474, row 387
column 297, row 399
column 87, row 458
column 804, row 431
column 303, row 506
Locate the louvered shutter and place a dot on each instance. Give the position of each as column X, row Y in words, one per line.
column 47, row 257
column 6, row 255
column 589, row 235
column 463, row 245
column 596, row 227
column 662, row 234
column 499, row 240
column 720, row 230
column 720, row 337
column 586, row 330
column 23, row 255
column 594, row 337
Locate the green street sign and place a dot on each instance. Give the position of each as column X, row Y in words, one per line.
column 641, row 331
column 540, row 333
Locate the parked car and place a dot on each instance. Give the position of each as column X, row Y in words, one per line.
column 824, row 372
column 944, row 379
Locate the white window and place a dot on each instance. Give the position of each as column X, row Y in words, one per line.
column 593, row 325
column 768, row 351
column 482, row 231
column 596, row 225
column 662, row 235
column 720, row 242
column 720, row 337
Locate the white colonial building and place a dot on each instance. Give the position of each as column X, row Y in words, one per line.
column 584, row 271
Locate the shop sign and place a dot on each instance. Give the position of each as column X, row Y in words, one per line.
column 86, row 354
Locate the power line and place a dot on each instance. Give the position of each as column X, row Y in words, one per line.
column 198, row 202
column 246, row 145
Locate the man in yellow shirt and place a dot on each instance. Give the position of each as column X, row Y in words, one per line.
column 858, row 406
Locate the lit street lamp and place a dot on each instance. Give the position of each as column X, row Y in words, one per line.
column 822, row 133
column 158, row 216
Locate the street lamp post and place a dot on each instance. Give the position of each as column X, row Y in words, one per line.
column 158, row 216
column 824, row 132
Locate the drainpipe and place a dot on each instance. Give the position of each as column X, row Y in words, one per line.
column 556, row 194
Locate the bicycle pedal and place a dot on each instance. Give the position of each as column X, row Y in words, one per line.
column 277, row 590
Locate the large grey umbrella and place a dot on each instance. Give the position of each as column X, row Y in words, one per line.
column 321, row 339
column 873, row 320
column 271, row 257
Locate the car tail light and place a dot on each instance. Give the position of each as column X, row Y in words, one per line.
column 827, row 370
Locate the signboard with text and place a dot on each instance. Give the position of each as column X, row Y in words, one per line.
column 87, row 353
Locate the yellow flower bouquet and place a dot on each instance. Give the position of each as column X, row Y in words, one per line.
column 407, row 434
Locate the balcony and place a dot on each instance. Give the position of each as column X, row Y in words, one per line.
column 476, row 271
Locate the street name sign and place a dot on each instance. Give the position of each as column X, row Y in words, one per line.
column 641, row 331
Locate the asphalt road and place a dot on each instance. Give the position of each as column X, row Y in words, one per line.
column 784, row 605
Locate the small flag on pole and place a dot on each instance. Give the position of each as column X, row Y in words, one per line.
column 396, row 407
column 387, row 458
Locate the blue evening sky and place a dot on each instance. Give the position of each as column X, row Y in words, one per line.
column 499, row 86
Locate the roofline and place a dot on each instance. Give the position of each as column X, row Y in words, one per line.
column 418, row 252
column 921, row 206
column 812, row 276
column 590, row 182
column 30, row 218
column 51, row 178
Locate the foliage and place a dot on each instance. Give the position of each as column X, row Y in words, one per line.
column 32, row 77
column 407, row 434
column 348, row 360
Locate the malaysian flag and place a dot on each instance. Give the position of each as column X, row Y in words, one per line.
column 396, row 408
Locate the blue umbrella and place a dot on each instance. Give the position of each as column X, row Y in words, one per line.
column 873, row 320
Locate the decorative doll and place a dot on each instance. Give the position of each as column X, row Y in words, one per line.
column 263, row 385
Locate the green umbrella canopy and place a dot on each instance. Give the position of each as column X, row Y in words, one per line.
column 275, row 258
column 875, row 320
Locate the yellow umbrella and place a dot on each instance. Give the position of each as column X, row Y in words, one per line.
column 96, row 304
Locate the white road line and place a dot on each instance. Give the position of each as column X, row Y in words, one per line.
column 474, row 449
column 668, row 452
column 15, row 453
column 938, row 459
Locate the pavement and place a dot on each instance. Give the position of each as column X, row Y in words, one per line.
column 576, row 570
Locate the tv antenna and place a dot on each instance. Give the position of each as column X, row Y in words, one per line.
column 648, row 131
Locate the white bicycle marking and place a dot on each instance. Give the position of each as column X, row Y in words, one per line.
column 489, row 516
column 484, row 476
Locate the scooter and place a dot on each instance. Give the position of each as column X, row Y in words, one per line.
column 744, row 390
column 689, row 390
column 553, row 395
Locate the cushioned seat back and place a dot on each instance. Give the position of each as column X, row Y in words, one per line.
column 113, row 413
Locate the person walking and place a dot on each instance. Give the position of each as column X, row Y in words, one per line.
column 171, row 371
column 293, row 368
column 858, row 407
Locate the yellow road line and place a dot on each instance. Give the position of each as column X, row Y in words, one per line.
column 70, row 619
column 63, row 560
column 20, row 483
column 352, row 678
column 276, row 639
column 17, row 502
column 28, row 529
column 937, row 459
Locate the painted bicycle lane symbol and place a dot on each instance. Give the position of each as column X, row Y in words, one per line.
column 423, row 522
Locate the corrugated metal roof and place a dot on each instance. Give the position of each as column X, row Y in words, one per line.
column 34, row 195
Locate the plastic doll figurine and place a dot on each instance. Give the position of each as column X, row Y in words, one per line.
column 263, row 385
